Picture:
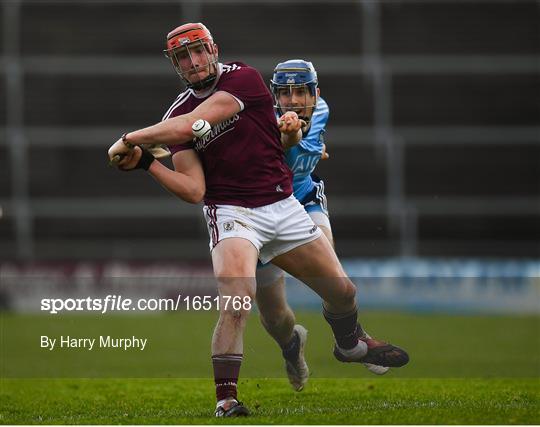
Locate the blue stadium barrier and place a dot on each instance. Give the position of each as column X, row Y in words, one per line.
column 437, row 285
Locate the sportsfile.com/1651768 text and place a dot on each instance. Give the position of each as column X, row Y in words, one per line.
column 112, row 303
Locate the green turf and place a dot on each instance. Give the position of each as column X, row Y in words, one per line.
column 325, row 401
column 463, row 370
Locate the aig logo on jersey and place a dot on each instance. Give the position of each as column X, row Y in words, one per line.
column 305, row 162
column 228, row 226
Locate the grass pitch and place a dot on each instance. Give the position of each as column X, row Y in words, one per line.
column 463, row 370
column 324, row 401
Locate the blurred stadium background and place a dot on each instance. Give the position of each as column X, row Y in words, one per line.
column 434, row 136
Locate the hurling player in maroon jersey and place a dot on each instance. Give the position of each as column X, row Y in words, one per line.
column 238, row 169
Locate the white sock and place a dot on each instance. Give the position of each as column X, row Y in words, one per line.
column 358, row 351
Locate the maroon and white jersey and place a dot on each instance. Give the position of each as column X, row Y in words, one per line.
column 242, row 157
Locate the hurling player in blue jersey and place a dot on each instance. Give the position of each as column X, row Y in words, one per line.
column 295, row 88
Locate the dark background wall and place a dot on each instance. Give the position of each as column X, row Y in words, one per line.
column 434, row 132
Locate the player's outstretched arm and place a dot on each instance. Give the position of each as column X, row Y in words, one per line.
column 177, row 130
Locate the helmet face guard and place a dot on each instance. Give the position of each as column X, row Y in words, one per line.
column 192, row 51
column 294, row 86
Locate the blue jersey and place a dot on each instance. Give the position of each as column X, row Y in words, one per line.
column 303, row 158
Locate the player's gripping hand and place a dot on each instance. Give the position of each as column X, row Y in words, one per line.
column 290, row 124
column 118, row 151
column 137, row 158
column 127, row 158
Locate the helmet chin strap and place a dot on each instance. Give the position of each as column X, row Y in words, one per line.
column 202, row 84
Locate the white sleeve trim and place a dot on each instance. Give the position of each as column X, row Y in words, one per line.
column 239, row 102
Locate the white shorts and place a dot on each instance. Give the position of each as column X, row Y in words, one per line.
column 273, row 229
column 268, row 274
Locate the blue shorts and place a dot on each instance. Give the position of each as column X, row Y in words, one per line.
column 315, row 200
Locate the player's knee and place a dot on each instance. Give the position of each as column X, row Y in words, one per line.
column 235, row 269
column 350, row 291
column 236, row 312
column 239, row 286
column 237, row 296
